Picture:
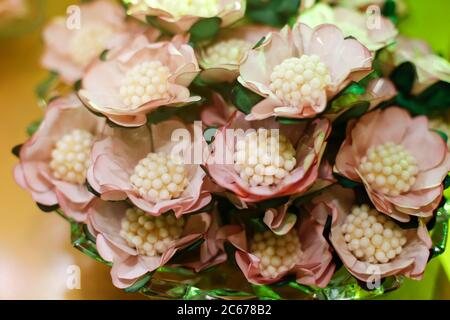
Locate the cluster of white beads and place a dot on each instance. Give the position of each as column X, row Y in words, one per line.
column 151, row 236
column 89, row 42
column 371, row 236
column 70, row 156
column 264, row 157
column 145, row 82
column 296, row 80
column 277, row 254
column 180, row 8
column 159, row 177
column 389, row 169
column 227, row 52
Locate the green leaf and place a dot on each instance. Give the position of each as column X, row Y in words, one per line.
column 43, row 89
column 356, row 111
column 442, row 134
column 138, row 285
column 260, row 42
column 436, row 97
column 265, row 292
column 390, row 10
column 440, row 231
column 209, row 134
column 244, row 99
column 16, row 150
column 289, row 121
column 205, row 29
column 257, row 225
column 161, row 114
column 104, row 55
column 404, row 77
column 347, row 98
column 347, row 183
column 272, row 203
column 276, row 13
column 33, row 127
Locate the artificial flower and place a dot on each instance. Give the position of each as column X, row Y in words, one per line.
column 73, row 43
column 265, row 257
column 139, row 78
column 180, row 16
column 140, row 164
column 12, row 8
column 53, row 163
column 375, row 32
column 262, row 160
column 389, row 152
column 137, row 243
column 430, row 67
column 217, row 113
column 370, row 245
column 298, row 70
column 220, row 60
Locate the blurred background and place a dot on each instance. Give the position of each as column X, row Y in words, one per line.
column 36, row 257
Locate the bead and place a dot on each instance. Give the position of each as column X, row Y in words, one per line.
column 150, row 236
column 228, row 51
column 389, row 169
column 199, row 8
column 70, row 156
column 263, row 157
column 88, row 42
column 167, row 181
column 299, row 79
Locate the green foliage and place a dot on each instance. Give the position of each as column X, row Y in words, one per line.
column 276, row 13
column 244, row 99
column 205, row 29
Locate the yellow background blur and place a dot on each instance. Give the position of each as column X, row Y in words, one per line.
column 35, row 250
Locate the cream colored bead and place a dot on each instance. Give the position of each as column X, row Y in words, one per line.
column 380, row 242
column 158, row 177
column 278, row 254
column 197, row 8
column 227, row 52
column 150, row 236
column 145, row 82
column 71, row 156
column 389, row 169
column 264, row 158
column 299, row 80
column 89, row 42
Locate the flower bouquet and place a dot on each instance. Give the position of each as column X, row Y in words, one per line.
column 229, row 149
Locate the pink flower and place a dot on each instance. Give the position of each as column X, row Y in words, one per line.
column 217, row 113
column 400, row 161
column 375, row 32
column 12, row 8
column 179, row 18
column 139, row 164
column 430, row 67
column 382, row 249
column 298, row 70
column 285, row 162
column 139, row 78
column 220, row 60
column 73, row 43
column 266, row 258
column 53, row 163
column 137, row 243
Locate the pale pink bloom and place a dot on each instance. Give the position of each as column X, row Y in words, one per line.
column 73, row 43
column 375, row 32
column 139, row 78
column 221, row 59
column 307, row 139
column 115, row 158
column 216, row 113
column 411, row 262
column 312, row 267
column 179, row 17
column 34, row 173
column 298, row 70
column 409, row 182
column 430, row 67
column 128, row 265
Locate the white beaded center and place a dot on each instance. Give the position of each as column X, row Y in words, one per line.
column 264, row 157
column 70, row 156
column 227, row 52
column 158, row 177
column 180, row 8
column 278, row 254
column 389, row 169
column 145, row 82
column 371, row 237
column 151, row 236
column 89, row 42
column 299, row 80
